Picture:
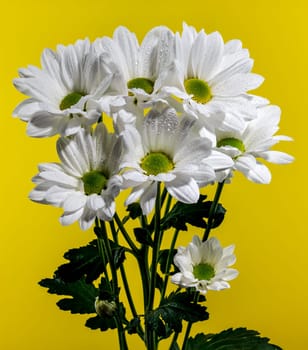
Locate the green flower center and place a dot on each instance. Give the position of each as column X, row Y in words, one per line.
column 204, row 271
column 94, row 182
column 199, row 89
column 70, row 100
column 156, row 162
column 145, row 84
column 232, row 141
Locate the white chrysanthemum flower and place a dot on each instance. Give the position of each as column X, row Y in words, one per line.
column 254, row 143
column 204, row 265
column 64, row 93
column 166, row 148
column 137, row 68
column 85, row 183
column 212, row 77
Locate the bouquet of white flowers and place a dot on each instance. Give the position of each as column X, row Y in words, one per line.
column 164, row 118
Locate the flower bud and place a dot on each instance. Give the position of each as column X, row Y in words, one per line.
column 104, row 307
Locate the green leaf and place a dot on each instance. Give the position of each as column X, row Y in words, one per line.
column 132, row 326
column 87, row 262
column 84, row 261
column 193, row 214
column 143, row 236
column 163, row 257
column 105, row 290
column 159, row 282
column 102, row 323
column 231, row 339
column 172, row 311
column 82, row 294
column 134, row 210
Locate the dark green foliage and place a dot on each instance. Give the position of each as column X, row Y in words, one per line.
column 193, row 214
column 231, row 339
column 134, row 210
column 82, row 295
column 163, row 259
column 86, row 261
column 143, row 236
column 174, row 346
column 132, row 326
column 173, row 310
column 105, row 290
column 102, row 323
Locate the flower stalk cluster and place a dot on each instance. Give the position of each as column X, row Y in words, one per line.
column 165, row 118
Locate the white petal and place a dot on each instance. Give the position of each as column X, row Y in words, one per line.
column 68, row 218
column 218, row 161
column 56, row 195
column 133, row 178
column 43, row 124
column 212, row 55
column 60, row 178
column 184, row 189
column 254, row 171
column 74, row 202
column 135, row 194
column 276, row 157
column 147, row 199
column 237, row 84
column 26, row 109
column 128, row 43
column 218, row 285
column 87, row 219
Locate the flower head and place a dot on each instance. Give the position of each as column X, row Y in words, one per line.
column 210, row 76
column 254, row 142
column 137, row 67
column 86, row 183
column 204, row 265
column 167, row 148
column 64, row 93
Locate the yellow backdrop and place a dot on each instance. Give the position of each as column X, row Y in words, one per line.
column 266, row 222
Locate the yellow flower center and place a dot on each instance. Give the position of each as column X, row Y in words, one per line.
column 199, row 89
column 70, row 100
column 156, row 162
column 233, row 142
column 204, row 271
column 94, row 182
column 145, row 84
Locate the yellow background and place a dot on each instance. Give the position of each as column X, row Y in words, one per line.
column 266, row 222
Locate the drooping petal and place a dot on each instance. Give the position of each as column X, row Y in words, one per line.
column 184, row 189
column 254, row 171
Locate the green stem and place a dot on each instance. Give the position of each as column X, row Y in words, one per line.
column 125, row 234
column 213, row 209
column 103, row 254
column 168, row 264
column 168, row 204
column 189, row 324
column 125, row 283
column 151, row 336
column 120, row 329
column 143, row 263
column 144, row 273
column 174, row 340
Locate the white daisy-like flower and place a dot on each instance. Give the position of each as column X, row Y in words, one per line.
column 64, row 92
column 86, row 181
column 254, row 143
column 212, row 77
column 137, row 68
column 167, row 148
column 204, row 265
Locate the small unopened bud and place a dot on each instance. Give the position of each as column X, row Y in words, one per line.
column 104, row 307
